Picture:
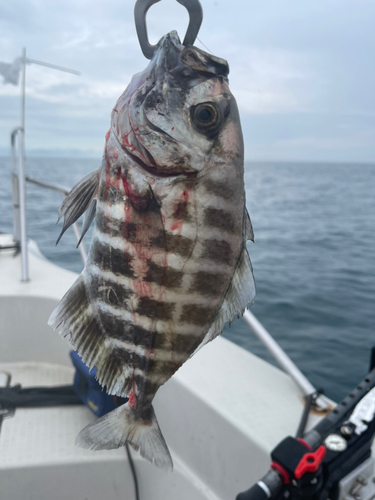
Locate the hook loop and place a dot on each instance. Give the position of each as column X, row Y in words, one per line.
column 194, row 9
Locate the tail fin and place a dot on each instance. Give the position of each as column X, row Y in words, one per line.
column 119, row 427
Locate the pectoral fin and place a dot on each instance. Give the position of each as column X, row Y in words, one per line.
column 78, row 201
column 89, row 217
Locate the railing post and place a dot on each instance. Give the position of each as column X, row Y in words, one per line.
column 64, row 191
column 15, row 188
column 19, row 199
column 283, row 359
column 16, row 208
column 22, row 201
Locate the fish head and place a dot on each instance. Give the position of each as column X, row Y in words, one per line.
column 179, row 116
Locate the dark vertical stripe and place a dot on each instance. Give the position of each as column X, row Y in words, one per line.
column 219, row 251
column 111, row 259
column 175, row 243
column 155, row 309
column 208, row 284
column 220, row 219
column 220, row 189
column 115, row 228
column 165, row 276
column 109, row 292
column 181, row 211
column 121, row 329
column 195, row 314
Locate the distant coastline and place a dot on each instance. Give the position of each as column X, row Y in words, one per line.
column 55, row 153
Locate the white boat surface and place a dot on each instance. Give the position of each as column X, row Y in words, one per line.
column 221, row 413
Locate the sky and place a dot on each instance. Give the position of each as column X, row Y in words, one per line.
column 303, row 73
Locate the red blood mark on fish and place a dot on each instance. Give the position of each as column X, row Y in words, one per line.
column 132, row 403
column 145, row 229
column 132, row 399
column 107, row 135
column 132, row 194
column 176, row 226
column 140, row 226
column 107, row 179
column 140, row 151
column 150, row 353
column 126, row 143
column 142, row 288
column 115, row 154
column 172, row 128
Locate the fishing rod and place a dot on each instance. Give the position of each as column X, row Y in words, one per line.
column 333, row 460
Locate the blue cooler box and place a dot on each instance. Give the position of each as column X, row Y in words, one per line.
column 90, row 391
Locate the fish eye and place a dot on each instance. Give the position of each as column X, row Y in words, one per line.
column 206, row 117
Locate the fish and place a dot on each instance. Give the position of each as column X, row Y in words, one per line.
column 168, row 265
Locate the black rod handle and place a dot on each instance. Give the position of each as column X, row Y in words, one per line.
column 254, row 493
column 268, row 487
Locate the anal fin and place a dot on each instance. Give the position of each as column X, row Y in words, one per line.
column 75, row 319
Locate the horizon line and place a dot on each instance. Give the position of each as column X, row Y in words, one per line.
column 52, row 155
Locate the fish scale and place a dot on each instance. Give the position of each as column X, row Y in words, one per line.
column 168, row 264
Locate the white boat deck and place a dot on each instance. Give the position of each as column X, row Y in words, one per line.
column 221, row 413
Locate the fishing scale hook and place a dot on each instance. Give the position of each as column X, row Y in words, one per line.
column 194, row 9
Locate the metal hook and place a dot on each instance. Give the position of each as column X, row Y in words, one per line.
column 194, row 9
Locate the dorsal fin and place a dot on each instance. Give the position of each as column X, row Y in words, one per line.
column 249, row 233
column 78, row 201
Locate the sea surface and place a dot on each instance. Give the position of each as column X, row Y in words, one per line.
column 313, row 257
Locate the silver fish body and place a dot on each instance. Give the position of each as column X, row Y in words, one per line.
column 168, row 264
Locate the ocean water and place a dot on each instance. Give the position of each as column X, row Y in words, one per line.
column 313, row 257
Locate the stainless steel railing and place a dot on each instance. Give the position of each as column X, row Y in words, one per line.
column 19, row 179
column 64, row 191
column 283, row 359
column 19, row 201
